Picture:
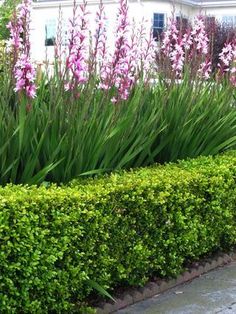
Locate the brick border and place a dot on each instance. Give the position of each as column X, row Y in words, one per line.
column 153, row 288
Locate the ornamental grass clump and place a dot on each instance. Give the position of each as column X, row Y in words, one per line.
column 101, row 107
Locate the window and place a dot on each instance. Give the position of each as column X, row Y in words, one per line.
column 158, row 24
column 50, row 32
column 229, row 20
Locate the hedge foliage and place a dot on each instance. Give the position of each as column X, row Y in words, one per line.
column 116, row 230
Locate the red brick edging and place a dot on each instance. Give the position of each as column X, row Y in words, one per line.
column 153, row 288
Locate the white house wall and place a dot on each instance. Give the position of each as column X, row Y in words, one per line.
column 138, row 9
column 219, row 12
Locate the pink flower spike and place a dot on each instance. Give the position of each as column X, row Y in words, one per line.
column 199, row 35
column 25, row 76
column 170, row 37
column 205, row 69
column 76, row 61
column 19, row 43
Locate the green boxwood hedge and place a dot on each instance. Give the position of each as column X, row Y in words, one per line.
column 116, row 230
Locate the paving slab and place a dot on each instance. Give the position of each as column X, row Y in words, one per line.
column 214, row 292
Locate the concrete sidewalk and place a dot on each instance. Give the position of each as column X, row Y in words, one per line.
column 214, row 292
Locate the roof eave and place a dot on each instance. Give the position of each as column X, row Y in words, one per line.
column 192, row 3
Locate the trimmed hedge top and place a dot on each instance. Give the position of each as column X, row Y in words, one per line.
column 116, row 230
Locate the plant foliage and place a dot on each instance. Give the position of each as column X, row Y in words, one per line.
column 62, row 138
column 94, row 110
column 114, row 230
column 6, row 11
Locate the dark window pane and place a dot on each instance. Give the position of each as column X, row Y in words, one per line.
column 155, row 17
column 158, row 25
column 50, row 41
column 158, row 17
column 155, row 23
column 50, row 32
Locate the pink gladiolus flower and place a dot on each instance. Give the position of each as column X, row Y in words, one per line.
column 19, row 24
column 121, row 44
column 187, row 40
column 147, row 47
column 15, row 29
column 99, row 53
column 173, row 47
column 78, row 50
column 227, row 55
column 227, row 61
column 25, row 76
column 128, row 67
column 119, row 70
column 233, row 80
column 177, row 58
column 24, row 72
column 199, row 35
column 24, row 10
column 114, row 100
column 205, row 69
column 170, row 37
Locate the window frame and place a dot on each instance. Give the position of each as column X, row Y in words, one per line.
column 158, row 30
column 49, row 41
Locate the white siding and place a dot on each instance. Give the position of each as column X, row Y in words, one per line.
column 138, row 9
